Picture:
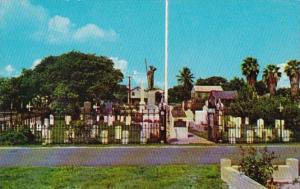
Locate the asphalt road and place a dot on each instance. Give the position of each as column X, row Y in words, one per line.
column 130, row 155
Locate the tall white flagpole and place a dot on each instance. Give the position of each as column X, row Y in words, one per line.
column 166, row 50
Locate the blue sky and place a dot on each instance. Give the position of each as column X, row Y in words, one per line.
column 210, row 36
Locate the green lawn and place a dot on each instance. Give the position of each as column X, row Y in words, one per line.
column 152, row 177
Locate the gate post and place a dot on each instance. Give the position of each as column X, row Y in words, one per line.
column 163, row 123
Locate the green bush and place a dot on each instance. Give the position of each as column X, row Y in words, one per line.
column 257, row 164
column 12, row 137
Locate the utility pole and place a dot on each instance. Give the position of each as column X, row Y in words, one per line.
column 166, row 51
column 129, row 91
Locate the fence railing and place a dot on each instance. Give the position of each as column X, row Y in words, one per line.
column 132, row 128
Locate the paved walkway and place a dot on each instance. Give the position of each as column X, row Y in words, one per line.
column 130, row 155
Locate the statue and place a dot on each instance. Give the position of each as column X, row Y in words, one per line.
column 150, row 76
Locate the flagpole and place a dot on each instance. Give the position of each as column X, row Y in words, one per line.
column 166, row 51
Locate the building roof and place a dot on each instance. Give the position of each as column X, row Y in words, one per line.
column 224, row 95
column 202, row 88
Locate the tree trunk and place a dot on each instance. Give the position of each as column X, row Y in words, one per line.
column 295, row 85
column 251, row 80
column 272, row 89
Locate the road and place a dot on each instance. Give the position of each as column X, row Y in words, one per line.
column 129, row 155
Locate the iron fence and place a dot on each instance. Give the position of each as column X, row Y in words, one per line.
column 143, row 127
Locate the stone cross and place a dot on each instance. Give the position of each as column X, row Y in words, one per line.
column 28, row 106
column 280, row 108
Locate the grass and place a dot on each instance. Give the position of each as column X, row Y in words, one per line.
column 148, row 177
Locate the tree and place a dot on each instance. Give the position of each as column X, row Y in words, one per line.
column 185, row 78
column 215, row 80
column 271, row 76
column 292, row 69
column 177, row 94
column 64, row 100
column 261, row 88
column 250, row 69
column 236, row 84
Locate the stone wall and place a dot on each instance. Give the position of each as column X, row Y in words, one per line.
column 236, row 180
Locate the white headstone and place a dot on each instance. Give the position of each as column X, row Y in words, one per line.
column 231, row 136
column 201, row 117
column 110, row 120
column 104, row 136
column 118, row 132
column 128, row 120
column 68, row 119
column 259, row 128
column 105, row 119
column 51, row 119
column 246, row 120
column 250, row 136
column 46, row 122
column 125, row 137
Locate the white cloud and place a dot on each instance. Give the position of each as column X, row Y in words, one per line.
column 8, row 70
column 284, row 80
column 61, row 30
column 59, row 24
column 14, row 12
column 23, row 15
column 35, row 63
column 120, row 64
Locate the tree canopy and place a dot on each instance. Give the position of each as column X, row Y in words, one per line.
column 84, row 76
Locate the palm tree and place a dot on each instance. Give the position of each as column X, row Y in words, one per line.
column 250, row 69
column 185, row 78
column 271, row 77
column 292, row 70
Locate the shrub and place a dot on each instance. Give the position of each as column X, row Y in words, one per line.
column 257, row 164
column 12, row 137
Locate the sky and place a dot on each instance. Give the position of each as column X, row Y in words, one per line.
column 211, row 37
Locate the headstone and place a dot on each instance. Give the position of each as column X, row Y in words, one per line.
column 66, row 137
column 246, row 120
column 118, row 132
column 46, row 135
column 231, row 136
column 46, row 122
column 125, row 137
column 201, row 117
column 87, row 106
column 104, row 136
column 268, row 134
column 105, row 119
column 279, row 126
column 68, row 119
column 238, row 124
column 128, row 120
column 259, row 128
column 181, row 132
column 110, row 120
column 94, row 131
column 122, row 119
column 51, row 119
column 250, row 136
